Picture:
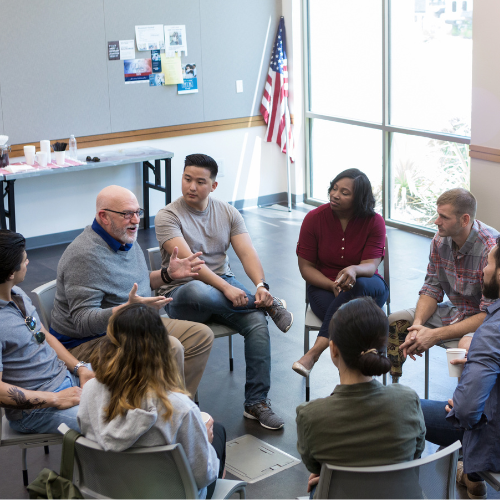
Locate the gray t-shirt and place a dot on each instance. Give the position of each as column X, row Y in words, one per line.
column 23, row 361
column 209, row 232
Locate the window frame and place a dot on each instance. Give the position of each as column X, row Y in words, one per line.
column 386, row 129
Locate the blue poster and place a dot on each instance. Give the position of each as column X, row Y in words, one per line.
column 156, row 60
column 190, row 85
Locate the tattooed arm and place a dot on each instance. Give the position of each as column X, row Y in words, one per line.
column 16, row 398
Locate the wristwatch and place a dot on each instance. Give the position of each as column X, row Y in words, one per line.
column 78, row 365
column 264, row 284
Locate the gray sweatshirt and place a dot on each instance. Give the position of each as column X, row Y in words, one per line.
column 145, row 426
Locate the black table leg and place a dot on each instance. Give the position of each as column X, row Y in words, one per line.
column 157, row 186
column 10, row 212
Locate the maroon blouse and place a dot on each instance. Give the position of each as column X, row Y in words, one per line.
column 323, row 242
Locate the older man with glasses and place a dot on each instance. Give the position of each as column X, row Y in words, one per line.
column 102, row 270
column 40, row 381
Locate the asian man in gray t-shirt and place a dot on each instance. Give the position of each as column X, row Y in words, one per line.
column 196, row 222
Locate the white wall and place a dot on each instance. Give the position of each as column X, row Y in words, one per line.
column 64, row 202
column 485, row 175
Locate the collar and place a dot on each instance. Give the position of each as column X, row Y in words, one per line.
column 115, row 245
column 471, row 239
column 493, row 307
column 360, row 388
column 4, row 303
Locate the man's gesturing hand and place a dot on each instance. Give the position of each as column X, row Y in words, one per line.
column 184, row 268
column 156, row 302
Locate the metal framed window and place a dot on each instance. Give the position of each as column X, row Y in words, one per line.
column 408, row 118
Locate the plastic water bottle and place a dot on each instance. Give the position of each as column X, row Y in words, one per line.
column 72, row 148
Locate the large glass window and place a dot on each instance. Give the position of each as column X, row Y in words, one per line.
column 390, row 93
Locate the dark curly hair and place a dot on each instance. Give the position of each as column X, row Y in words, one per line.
column 364, row 202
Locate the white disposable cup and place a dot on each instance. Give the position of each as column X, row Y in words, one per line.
column 60, row 155
column 205, row 417
column 29, row 154
column 41, row 158
column 455, row 353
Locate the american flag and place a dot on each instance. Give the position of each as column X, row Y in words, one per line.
column 273, row 105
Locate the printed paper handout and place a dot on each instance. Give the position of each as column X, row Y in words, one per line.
column 127, row 49
column 190, row 84
column 150, row 37
column 175, row 40
column 171, row 68
column 137, row 70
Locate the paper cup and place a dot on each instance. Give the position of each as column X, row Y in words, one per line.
column 60, row 155
column 29, row 154
column 41, row 158
column 455, row 353
column 205, row 417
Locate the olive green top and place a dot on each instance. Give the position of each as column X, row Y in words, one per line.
column 361, row 425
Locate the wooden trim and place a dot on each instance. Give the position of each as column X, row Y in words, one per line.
column 155, row 133
column 484, row 153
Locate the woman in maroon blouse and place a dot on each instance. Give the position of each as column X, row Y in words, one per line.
column 340, row 246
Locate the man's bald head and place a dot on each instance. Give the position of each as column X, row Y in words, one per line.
column 111, row 205
column 111, row 196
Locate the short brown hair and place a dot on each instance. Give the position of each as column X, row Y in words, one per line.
column 461, row 200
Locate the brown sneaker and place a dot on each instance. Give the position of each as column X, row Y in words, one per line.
column 282, row 318
column 397, row 335
column 475, row 489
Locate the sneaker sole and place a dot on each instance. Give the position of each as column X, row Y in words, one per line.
column 251, row 417
column 291, row 323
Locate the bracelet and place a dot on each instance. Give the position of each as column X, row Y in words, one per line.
column 165, row 276
column 78, row 365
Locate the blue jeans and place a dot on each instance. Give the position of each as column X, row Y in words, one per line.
column 47, row 420
column 324, row 303
column 197, row 301
column 439, row 430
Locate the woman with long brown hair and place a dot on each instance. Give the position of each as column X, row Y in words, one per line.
column 137, row 398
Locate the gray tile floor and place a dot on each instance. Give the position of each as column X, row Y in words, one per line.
column 274, row 232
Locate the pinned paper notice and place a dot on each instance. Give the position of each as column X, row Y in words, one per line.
column 127, row 49
column 150, row 37
column 172, row 69
column 175, row 40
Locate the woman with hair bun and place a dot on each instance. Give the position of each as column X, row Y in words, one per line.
column 340, row 247
column 362, row 423
column 138, row 398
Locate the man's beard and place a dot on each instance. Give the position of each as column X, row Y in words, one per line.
column 491, row 290
column 120, row 233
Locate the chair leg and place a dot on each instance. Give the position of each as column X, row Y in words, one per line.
column 427, row 374
column 306, row 349
column 231, row 365
column 46, row 449
column 196, row 400
column 25, row 466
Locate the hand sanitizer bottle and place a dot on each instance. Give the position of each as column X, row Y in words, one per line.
column 72, row 148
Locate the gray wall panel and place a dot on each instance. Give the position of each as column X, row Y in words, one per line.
column 54, row 77
column 138, row 106
column 233, row 36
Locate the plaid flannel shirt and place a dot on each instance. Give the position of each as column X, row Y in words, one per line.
column 458, row 273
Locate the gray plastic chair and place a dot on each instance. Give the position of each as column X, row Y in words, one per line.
column 45, row 295
column 155, row 472
column 10, row 437
column 218, row 329
column 492, row 478
column 313, row 323
column 429, row 477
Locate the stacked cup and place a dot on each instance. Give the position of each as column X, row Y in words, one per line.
column 29, row 153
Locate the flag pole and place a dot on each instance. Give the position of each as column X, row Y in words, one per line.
column 287, row 128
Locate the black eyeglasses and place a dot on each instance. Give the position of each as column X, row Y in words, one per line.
column 30, row 322
column 127, row 215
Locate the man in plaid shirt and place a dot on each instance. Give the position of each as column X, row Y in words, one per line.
column 459, row 252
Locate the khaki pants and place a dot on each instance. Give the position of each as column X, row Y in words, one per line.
column 400, row 321
column 191, row 344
